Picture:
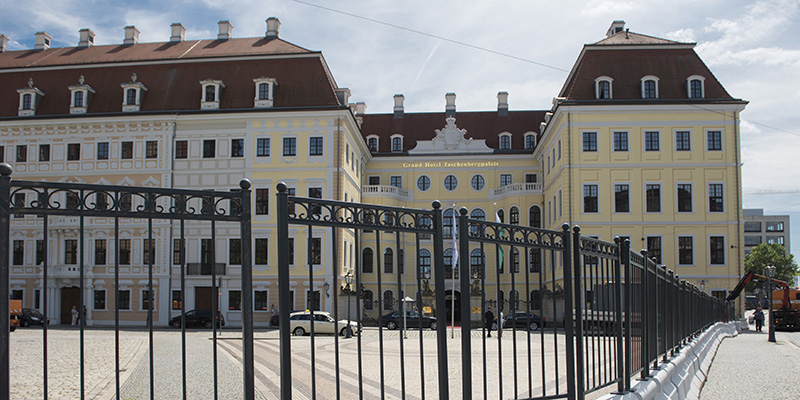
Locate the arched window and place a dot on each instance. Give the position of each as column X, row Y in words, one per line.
column 388, row 261
column 424, row 263
column 366, row 261
column 603, row 88
column 649, row 89
column 505, row 142
column 501, row 215
column 449, row 272
column 372, row 143
column 477, row 262
column 78, row 100
column 514, row 215
column 535, row 300
column 476, row 214
column 211, row 93
column 447, row 220
column 388, row 300
column 369, row 299
column 513, row 300
column 397, row 144
column 26, row 101
column 530, row 142
column 535, row 217
column 263, row 91
column 515, row 260
column 130, row 97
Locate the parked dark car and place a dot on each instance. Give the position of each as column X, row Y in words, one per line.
column 30, row 317
column 519, row 319
column 201, row 318
column 394, row 320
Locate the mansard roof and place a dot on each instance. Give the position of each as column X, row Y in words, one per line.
column 486, row 125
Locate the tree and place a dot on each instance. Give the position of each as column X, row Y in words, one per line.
column 770, row 254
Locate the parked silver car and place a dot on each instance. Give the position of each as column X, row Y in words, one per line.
column 300, row 323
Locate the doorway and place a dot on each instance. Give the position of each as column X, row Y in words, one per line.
column 70, row 296
column 449, row 304
column 202, row 298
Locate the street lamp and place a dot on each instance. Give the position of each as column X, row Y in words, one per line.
column 348, row 279
column 770, row 272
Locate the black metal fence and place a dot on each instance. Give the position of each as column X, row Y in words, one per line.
column 593, row 314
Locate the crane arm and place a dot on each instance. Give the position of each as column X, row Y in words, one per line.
column 752, row 275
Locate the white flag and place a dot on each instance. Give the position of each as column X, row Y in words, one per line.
column 455, row 243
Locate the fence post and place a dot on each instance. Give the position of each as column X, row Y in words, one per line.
column 247, row 292
column 283, row 293
column 645, row 319
column 466, row 315
column 569, row 317
column 5, row 337
column 618, row 263
column 438, row 281
column 577, row 263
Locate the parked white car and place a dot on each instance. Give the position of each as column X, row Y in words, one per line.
column 300, row 323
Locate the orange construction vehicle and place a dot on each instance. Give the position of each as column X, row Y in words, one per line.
column 785, row 310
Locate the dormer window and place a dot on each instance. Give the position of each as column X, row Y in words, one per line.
column 530, row 141
column 80, row 97
column 211, row 94
column 265, row 91
column 397, row 143
column 649, row 87
column 695, row 86
column 372, row 143
column 29, row 98
column 602, row 88
column 132, row 93
column 505, row 141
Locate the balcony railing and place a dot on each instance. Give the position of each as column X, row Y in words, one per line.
column 385, row 191
column 205, row 268
column 518, row 189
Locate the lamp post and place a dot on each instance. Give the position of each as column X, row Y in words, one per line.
column 770, row 272
column 348, row 279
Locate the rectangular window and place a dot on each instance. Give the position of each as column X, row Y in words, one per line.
column 44, row 152
column 262, row 201
column 315, row 193
column 2, row 153
column 773, row 226
column 505, row 179
column 39, row 252
column 234, row 300
column 146, row 303
column 148, row 245
column 181, row 149
column 73, row 151
column 19, row 252
column 102, row 151
column 289, row 146
column 22, row 153
column 752, row 240
column 620, row 141
column 589, row 198
column 100, row 299
column 653, row 194
column 685, row 250
column 177, row 250
column 684, row 197
column 235, row 251
column 315, row 146
column 559, row 149
column 531, row 178
column 715, row 198
column 37, row 299
column 151, row 149
column 70, row 251
column 752, row 226
column 622, row 202
column 209, row 148
column 100, row 251
column 127, row 151
column 589, row 141
column 291, row 251
column 775, row 240
column 207, row 255
column 19, row 201
column 374, row 180
column 237, row 148
column 717, row 250
column 125, row 252
column 260, row 300
column 124, row 300
column 683, row 141
column 396, row 181
column 714, row 140
column 262, row 147
column 652, row 141
column 176, row 300
column 262, row 252
column 654, row 248
column 316, row 251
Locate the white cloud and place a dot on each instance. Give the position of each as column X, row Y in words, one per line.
column 606, row 8
column 681, row 35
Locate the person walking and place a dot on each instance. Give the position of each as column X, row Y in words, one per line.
column 758, row 315
column 488, row 320
column 74, row 315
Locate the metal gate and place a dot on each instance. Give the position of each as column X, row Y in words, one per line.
column 47, row 206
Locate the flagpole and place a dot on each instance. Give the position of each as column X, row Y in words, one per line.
column 453, row 262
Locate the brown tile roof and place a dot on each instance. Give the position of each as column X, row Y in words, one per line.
column 671, row 64
column 303, row 79
column 479, row 125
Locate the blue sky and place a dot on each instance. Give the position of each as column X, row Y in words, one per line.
column 751, row 46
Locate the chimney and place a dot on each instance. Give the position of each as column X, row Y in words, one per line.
column 87, row 38
column 450, row 107
column 502, row 104
column 225, row 30
column 131, row 35
column 273, row 28
column 361, row 108
column 42, row 41
column 3, row 43
column 178, row 33
column 398, row 105
column 616, row 27
column 343, row 95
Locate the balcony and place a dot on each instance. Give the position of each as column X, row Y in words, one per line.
column 62, row 222
column 68, row 271
column 204, row 269
column 517, row 189
column 385, row 191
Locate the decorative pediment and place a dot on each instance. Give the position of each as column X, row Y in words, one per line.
column 451, row 139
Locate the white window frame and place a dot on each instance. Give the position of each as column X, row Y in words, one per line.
column 583, row 201
column 525, row 140
column 675, row 136
column 677, row 197
column 645, row 79
column 660, row 198
column 218, row 85
column 708, row 196
column 270, row 101
column 377, row 142
column 724, row 249
column 721, row 139
column 614, row 197
column 500, row 141
column 140, row 89
column 391, row 140
column 85, row 89
column 610, row 87
column 430, row 183
column 702, row 80
column 36, row 95
column 258, row 289
column 644, row 140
